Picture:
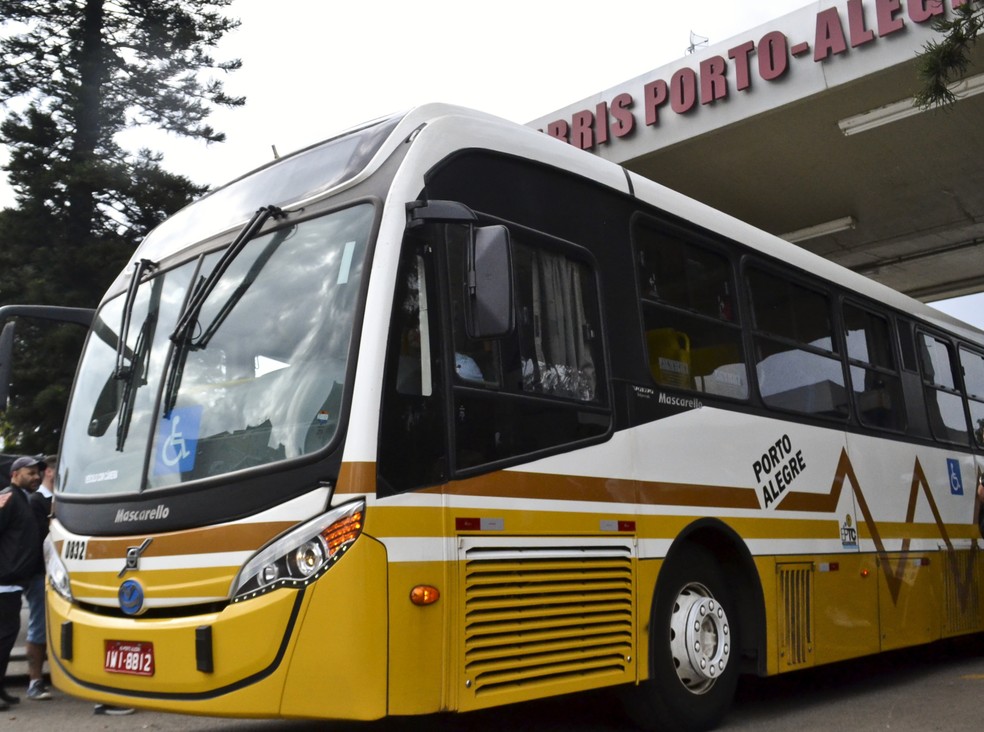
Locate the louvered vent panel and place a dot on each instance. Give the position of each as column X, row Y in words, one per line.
column 962, row 593
column 546, row 615
column 795, row 584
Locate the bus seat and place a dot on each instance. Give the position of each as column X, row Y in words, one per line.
column 704, row 361
column 669, row 357
column 719, row 370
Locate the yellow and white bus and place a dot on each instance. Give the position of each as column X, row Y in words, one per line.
column 443, row 414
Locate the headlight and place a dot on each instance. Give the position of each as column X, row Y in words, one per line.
column 303, row 554
column 57, row 573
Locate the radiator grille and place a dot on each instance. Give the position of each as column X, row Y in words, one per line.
column 546, row 616
column 795, row 584
column 961, row 592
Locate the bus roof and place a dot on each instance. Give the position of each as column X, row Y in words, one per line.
column 359, row 151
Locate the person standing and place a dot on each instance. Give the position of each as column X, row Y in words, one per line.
column 40, row 501
column 20, row 556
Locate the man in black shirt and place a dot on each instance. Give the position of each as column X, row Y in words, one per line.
column 20, row 555
column 36, row 642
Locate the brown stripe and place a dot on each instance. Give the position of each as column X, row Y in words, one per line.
column 356, row 478
column 515, row 484
column 237, row 537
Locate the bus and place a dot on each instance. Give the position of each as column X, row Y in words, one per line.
column 443, row 414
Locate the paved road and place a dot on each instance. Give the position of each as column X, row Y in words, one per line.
column 939, row 687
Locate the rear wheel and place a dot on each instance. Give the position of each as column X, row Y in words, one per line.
column 694, row 650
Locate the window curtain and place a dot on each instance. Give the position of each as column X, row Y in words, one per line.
column 563, row 365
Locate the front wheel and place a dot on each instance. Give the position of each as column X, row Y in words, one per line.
column 693, row 648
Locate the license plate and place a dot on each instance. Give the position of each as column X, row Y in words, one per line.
column 129, row 657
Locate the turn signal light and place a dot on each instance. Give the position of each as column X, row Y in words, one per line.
column 424, row 595
column 342, row 532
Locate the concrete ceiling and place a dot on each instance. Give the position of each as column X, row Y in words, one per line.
column 914, row 187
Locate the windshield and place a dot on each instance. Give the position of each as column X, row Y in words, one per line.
column 260, row 377
column 296, row 177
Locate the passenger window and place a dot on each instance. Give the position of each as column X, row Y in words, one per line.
column 692, row 336
column 875, row 382
column 972, row 365
column 946, row 406
column 557, row 334
column 797, row 365
column 543, row 385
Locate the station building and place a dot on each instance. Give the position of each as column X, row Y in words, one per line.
column 805, row 127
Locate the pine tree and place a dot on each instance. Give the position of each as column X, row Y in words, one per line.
column 73, row 75
column 947, row 60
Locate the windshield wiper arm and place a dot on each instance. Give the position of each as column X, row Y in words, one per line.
column 126, row 398
column 138, row 363
column 122, row 371
column 182, row 335
column 254, row 270
column 189, row 317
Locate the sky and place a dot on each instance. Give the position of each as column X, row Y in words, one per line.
column 312, row 68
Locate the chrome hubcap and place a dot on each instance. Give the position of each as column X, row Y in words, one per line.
column 700, row 638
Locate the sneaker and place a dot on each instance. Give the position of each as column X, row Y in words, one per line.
column 114, row 711
column 6, row 698
column 37, row 692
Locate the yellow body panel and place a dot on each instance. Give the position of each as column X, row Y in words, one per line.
column 353, row 646
column 766, row 569
column 854, row 605
column 337, row 666
column 910, row 602
column 420, row 641
column 327, row 660
column 174, row 645
column 847, row 608
column 646, row 573
column 176, row 585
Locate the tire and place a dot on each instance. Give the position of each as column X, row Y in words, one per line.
column 694, row 646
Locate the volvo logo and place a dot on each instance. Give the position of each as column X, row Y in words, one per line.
column 133, row 557
column 131, row 596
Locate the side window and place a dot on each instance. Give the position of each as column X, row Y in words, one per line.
column 972, row 365
column 414, row 375
column 412, row 442
column 946, row 406
column 543, row 385
column 692, row 334
column 797, row 364
column 875, row 382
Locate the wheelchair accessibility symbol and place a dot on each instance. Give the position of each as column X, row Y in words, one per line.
column 956, row 482
column 177, row 440
column 175, row 448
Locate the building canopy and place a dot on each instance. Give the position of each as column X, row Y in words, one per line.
column 805, row 127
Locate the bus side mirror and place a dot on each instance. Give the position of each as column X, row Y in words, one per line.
column 58, row 314
column 490, row 283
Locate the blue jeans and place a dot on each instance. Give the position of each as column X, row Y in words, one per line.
column 34, row 594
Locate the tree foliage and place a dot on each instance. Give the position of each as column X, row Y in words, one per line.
column 74, row 74
column 945, row 61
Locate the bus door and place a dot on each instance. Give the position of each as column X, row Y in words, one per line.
column 547, row 603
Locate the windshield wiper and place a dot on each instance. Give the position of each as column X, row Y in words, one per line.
column 138, row 360
column 138, row 366
column 254, row 270
column 189, row 317
column 182, row 335
column 122, row 371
